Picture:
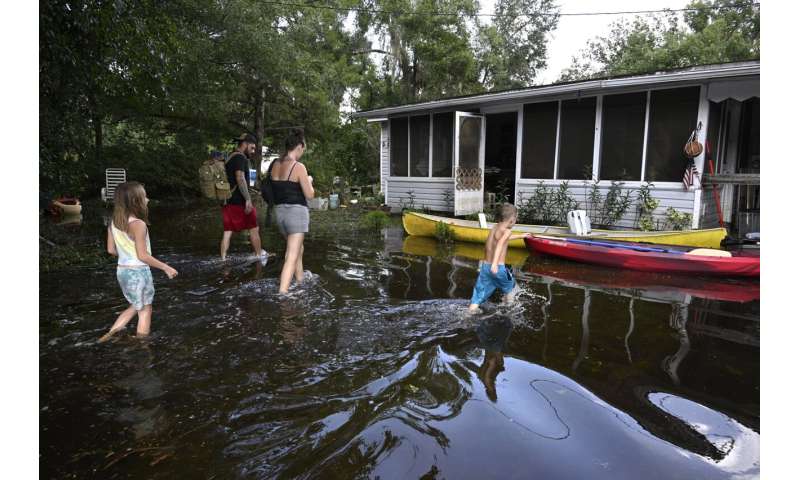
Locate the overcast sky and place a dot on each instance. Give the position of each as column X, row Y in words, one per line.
column 573, row 32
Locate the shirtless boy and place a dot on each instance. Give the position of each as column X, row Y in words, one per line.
column 493, row 272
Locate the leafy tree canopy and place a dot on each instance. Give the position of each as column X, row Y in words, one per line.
column 152, row 86
column 715, row 31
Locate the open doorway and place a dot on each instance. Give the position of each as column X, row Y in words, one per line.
column 501, row 157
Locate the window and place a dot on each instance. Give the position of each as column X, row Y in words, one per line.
column 443, row 144
column 673, row 117
column 539, row 125
column 623, row 136
column 576, row 143
column 398, row 155
column 420, row 141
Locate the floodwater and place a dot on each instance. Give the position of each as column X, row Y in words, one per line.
column 372, row 369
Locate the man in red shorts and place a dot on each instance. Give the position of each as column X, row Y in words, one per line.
column 238, row 213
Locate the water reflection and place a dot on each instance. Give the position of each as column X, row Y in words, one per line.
column 371, row 369
column 493, row 333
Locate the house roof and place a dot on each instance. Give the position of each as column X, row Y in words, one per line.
column 699, row 73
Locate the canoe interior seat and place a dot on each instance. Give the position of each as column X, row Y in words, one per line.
column 709, row 252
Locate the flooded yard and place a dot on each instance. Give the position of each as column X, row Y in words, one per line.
column 373, row 369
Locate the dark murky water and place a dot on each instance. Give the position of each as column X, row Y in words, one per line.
column 373, row 370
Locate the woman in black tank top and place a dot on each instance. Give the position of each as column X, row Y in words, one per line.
column 291, row 186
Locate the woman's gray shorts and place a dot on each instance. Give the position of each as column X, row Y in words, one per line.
column 291, row 218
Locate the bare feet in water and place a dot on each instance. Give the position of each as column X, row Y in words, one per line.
column 108, row 335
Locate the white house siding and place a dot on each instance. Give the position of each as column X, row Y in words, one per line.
column 675, row 197
column 428, row 193
column 384, row 155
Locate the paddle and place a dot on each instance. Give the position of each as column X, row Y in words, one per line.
column 623, row 245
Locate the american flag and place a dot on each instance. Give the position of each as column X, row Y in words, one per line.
column 689, row 174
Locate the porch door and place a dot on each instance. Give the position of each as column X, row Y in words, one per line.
column 468, row 163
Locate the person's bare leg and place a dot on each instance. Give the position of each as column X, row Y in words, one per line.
column 143, row 326
column 508, row 298
column 255, row 241
column 293, row 243
column 473, row 307
column 298, row 271
column 122, row 320
column 226, row 242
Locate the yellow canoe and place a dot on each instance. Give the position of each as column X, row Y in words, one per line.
column 424, row 225
column 429, row 247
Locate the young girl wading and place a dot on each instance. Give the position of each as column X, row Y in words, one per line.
column 129, row 240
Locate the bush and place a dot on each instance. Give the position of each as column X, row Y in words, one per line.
column 444, row 233
column 677, row 220
column 546, row 206
column 375, row 220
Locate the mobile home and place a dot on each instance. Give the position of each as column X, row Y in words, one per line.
column 454, row 154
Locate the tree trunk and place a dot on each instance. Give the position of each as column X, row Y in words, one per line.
column 258, row 123
column 97, row 125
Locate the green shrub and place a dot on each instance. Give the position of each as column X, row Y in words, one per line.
column 647, row 205
column 375, row 220
column 677, row 220
column 444, row 233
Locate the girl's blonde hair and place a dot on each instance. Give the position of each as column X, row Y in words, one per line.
column 129, row 200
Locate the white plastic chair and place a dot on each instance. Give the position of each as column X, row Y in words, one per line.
column 578, row 223
column 114, row 177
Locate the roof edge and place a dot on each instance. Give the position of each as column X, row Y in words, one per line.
column 694, row 73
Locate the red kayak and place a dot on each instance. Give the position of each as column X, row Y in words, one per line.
column 650, row 258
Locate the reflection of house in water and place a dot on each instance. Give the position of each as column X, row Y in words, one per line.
column 450, row 154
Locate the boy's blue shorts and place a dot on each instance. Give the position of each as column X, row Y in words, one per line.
column 487, row 282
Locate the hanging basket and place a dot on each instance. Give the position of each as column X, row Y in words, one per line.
column 693, row 148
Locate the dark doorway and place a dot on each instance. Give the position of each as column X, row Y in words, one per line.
column 501, row 156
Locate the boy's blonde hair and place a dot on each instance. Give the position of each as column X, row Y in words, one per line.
column 129, row 200
column 504, row 212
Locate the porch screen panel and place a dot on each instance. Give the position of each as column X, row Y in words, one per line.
column 469, row 142
column 576, row 145
column 420, row 140
column 673, row 116
column 623, row 136
column 443, row 132
column 749, row 137
column 539, row 123
column 398, row 153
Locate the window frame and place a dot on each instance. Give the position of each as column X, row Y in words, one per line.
column 702, row 114
column 430, row 177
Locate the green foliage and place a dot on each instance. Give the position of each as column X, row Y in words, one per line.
column 409, row 203
column 444, row 233
column 153, row 86
column 546, row 206
column 609, row 209
column 677, row 220
column 348, row 151
column 717, row 31
column 616, row 203
column 592, row 199
column 512, row 49
column 375, row 220
column 646, row 206
column 448, row 198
